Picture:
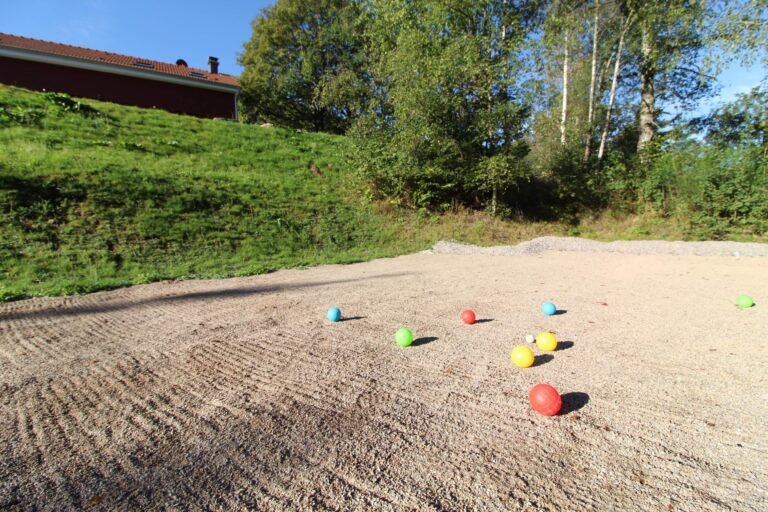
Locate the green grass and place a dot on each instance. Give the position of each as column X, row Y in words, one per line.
column 96, row 196
column 105, row 196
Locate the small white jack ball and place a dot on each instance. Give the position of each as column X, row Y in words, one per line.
column 529, row 338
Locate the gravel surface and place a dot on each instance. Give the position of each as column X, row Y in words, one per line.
column 238, row 394
column 572, row 244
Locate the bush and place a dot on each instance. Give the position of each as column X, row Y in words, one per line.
column 418, row 175
column 721, row 190
column 731, row 192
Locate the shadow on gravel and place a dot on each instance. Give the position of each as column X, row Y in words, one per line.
column 560, row 312
column 563, row 345
column 573, row 402
column 484, row 320
column 57, row 310
column 349, row 319
column 424, row 340
column 541, row 359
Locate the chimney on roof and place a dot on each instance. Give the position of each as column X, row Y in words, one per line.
column 213, row 65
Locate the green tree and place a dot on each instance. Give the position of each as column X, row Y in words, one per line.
column 670, row 43
column 741, row 30
column 305, row 65
column 741, row 122
column 446, row 123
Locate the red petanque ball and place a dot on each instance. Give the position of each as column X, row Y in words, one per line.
column 545, row 399
column 468, row 316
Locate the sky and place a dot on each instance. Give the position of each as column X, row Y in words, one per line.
column 166, row 30
column 163, row 30
column 734, row 80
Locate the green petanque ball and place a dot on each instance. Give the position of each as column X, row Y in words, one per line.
column 744, row 301
column 404, row 337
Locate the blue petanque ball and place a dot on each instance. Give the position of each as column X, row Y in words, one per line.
column 548, row 308
column 334, row 314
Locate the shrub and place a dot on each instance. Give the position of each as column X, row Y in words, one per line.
column 731, row 192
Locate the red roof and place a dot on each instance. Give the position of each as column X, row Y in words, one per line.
column 113, row 58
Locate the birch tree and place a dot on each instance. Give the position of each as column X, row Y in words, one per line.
column 564, row 114
column 671, row 41
column 592, row 84
column 626, row 24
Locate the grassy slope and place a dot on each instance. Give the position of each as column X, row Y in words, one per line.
column 131, row 195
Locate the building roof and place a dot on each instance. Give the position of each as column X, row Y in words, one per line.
column 76, row 52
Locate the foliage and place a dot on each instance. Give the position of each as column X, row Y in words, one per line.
column 444, row 124
column 486, row 103
column 721, row 190
column 678, row 38
column 305, row 66
column 744, row 121
column 732, row 192
column 740, row 31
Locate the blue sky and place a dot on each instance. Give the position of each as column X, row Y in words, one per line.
column 159, row 30
column 167, row 30
column 736, row 79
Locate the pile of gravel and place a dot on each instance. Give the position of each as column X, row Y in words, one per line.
column 559, row 243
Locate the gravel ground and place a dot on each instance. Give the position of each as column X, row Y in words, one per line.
column 238, row 394
column 572, row 244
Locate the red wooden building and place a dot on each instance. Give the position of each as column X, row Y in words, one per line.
column 42, row 65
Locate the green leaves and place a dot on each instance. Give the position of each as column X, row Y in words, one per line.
column 305, row 65
column 444, row 119
column 744, row 121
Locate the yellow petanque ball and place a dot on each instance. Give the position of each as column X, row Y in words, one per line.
column 546, row 342
column 522, row 356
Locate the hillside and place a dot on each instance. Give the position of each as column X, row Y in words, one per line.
column 96, row 195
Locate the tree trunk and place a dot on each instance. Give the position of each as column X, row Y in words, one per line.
column 612, row 97
column 504, row 99
column 503, row 25
column 647, row 95
column 564, row 116
column 494, row 191
column 601, row 77
column 590, row 113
